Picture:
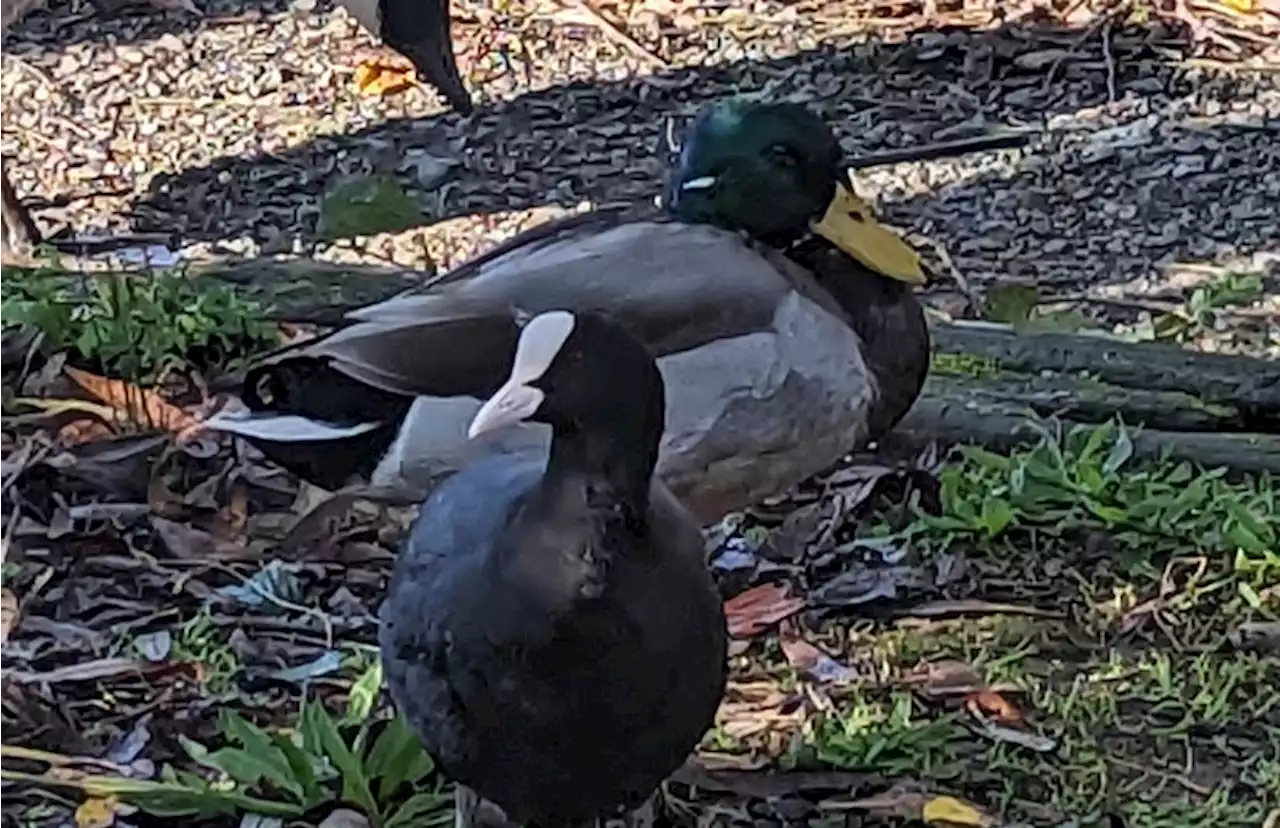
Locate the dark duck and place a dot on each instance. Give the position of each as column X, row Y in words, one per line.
column 420, row 31
column 551, row 630
column 781, row 314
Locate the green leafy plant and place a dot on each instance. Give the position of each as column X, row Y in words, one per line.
column 137, row 326
column 201, row 642
column 368, row 206
column 388, row 776
column 1088, row 479
column 1200, row 310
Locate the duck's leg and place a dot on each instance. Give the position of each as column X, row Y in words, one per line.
column 644, row 816
column 465, row 803
column 472, row 811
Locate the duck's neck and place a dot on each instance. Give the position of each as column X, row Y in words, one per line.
column 617, row 470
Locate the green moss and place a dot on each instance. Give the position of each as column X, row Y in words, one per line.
column 366, row 207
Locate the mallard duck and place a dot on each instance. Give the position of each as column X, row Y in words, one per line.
column 550, row 630
column 781, row 313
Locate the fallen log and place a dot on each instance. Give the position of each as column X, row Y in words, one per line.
column 987, row 385
column 289, row 290
column 988, row 380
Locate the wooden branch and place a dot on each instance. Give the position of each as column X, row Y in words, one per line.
column 300, row 290
column 1251, row 385
column 292, row 290
column 1002, row 425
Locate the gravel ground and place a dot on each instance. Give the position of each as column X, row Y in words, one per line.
column 221, row 134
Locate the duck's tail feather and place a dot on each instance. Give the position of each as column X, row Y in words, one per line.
column 325, row 454
column 311, row 388
column 324, row 426
column 285, row 428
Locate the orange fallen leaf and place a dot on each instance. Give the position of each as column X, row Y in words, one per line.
column 137, row 406
column 994, row 707
column 377, row 78
column 759, row 608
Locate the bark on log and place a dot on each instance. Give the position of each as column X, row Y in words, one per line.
column 1213, row 409
column 292, row 290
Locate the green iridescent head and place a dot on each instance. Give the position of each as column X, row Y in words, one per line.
column 768, row 169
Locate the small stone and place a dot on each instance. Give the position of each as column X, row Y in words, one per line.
column 1189, row 165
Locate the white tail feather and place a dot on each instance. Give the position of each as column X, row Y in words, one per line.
column 283, row 428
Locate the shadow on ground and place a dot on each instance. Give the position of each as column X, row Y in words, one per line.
column 61, row 24
column 1145, row 161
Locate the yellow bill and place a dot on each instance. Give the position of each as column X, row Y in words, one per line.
column 850, row 225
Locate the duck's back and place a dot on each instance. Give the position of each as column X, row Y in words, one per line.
column 766, row 380
column 552, row 680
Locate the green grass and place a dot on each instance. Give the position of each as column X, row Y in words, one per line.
column 1152, row 715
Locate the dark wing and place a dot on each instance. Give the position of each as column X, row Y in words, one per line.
column 445, row 613
column 675, row 285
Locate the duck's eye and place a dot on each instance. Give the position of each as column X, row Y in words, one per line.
column 783, row 155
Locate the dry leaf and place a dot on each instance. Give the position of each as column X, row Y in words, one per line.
column 947, row 810
column 97, row 812
column 377, row 78
column 748, row 777
column 1030, row 741
column 8, row 613
column 84, row 671
column 759, row 608
column 812, row 661
column 906, row 799
column 76, row 410
column 132, row 404
column 975, row 606
column 993, row 706
column 947, row 675
column 189, row 543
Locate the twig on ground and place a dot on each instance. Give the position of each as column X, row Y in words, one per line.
column 619, row 36
column 1110, row 61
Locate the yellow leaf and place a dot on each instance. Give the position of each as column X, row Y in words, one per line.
column 98, row 812
column 375, row 78
column 1245, row 6
column 851, row 225
column 948, row 810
